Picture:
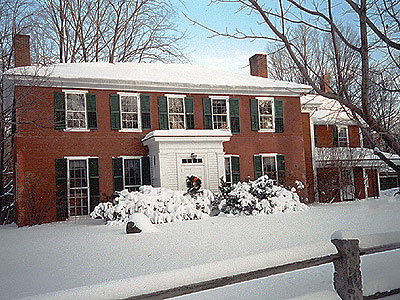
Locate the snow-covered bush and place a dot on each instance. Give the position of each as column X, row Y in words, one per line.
column 161, row 205
column 260, row 196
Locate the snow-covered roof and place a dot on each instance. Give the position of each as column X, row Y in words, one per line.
column 325, row 111
column 157, row 77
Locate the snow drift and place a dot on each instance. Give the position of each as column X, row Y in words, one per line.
column 160, row 205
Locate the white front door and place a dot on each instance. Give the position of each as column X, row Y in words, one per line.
column 189, row 167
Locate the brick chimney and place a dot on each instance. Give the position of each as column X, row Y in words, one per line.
column 326, row 83
column 22, row 53
column 258, row 65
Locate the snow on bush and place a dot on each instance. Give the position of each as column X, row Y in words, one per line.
column 260, row 196
column 160, row 205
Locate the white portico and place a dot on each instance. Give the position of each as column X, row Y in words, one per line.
column 176, row 154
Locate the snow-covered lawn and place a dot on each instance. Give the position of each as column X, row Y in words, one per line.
column 100, row 262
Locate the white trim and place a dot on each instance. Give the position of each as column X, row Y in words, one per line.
column 379, row 182
column 79, row 157
column 366, row 182
column 219, row 97
column 228, row 119
column 175, row 95
column 130, row 130
column 230, row 165
column 125, row 157
column 269, row 154
column 86, row 158
column 76, row 130
column 184, row 109
column 74, row 92
column 137, row 95
column 339, row 127
column 259, row 114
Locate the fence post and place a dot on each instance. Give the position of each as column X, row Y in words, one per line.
column 347, row 276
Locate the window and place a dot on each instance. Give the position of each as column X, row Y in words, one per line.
column 192, row 160
column 78, row 191
column 232, row 169
column 76, row 110
column 132, row 173
column 220, row 113
column 342, row 137
column 266, row 113
column 269, row 167
column 272, row 165
column 129, row 111
column 176, row 112
column 228, row 171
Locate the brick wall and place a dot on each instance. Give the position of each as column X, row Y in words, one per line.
column 39, row 145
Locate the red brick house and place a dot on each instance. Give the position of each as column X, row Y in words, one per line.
column 86, row 130
column 338, row 166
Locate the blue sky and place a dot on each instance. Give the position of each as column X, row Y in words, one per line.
column 230, row 54
column 227, row 53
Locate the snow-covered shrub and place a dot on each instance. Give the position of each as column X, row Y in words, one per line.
column 160, row 205
column 260, row 196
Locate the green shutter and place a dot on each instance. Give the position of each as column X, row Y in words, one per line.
column 91, row 109
column 257, row 166
column 146, row 178
column 189, row 113
column 234, row 111
column 255, row 124
column 94, row 182
column 280, row 165
column 61, row 185
column 207, row 113
column 115, row 112
column 145, row 108
column 335, row 136
column 118, row 174
column 235, row 163
column 163, row 112
column 278, row 105
column 59, row 110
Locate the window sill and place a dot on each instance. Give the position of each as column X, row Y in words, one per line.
column 266, row 130
column 130, row 130
column 76, row 130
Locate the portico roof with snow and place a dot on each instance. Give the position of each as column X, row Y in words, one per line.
column 156, row 77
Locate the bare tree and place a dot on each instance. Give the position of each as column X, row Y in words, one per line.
column 15, row 17
column 113, row 31
column 364, row 66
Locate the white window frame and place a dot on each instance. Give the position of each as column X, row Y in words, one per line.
column 230, row 167
column 184, row 109
column 72, row 129
column 228, row 121
column 86, row 158
column 137, row 95
column 347, row 136
column 123, row 170
column 259, row 114
column 274, row 155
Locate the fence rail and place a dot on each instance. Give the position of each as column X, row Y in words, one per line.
column 347, row 276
